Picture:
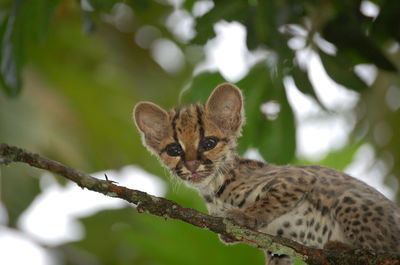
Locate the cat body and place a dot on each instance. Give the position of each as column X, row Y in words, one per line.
column 315, row 206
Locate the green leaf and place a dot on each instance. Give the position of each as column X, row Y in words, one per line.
column 24, row 27
column 258, row 30
column 338, row 159
column 200, row 88
column 256, row 87
column 150, row 12
column 303, row 83
column 274, row 139
column 188, row 5
column 341, row 158
column 261, row 25
column 263, row 21
column 349, row 37
column 277, row 139
column 11, row 56
column 335, row 67
column 19, row 187
column 102, row 5
column 223, row 10
column 387, row 24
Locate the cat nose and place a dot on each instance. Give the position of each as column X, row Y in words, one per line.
column 192, row 165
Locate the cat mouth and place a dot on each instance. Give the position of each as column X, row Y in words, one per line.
column 195, row 177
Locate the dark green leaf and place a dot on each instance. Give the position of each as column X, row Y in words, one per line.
column 257, row 28
column 303, row 83
column 19, row 187
column 102, row 5
column 201, row 87
column 337, row 159
column 387, row 24
column 11, row 55
column 23, row 29
column 223, row 10
column 256, row 87
column 350, row 38
column 336, row 68
column 277, row 139
column 261, row 25
column 263, row 21
column 188, row 5
column 341, row 158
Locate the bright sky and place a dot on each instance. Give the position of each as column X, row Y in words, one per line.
column 51, row 218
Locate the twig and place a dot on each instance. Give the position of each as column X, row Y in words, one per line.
column 168, row 209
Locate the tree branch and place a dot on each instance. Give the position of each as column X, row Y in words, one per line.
column 168, row 209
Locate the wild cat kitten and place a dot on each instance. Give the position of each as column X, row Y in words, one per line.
column 313, row 205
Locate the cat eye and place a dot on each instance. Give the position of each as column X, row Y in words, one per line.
column 174, row 149
column 208, row 143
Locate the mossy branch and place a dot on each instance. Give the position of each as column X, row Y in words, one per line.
column 168, row 209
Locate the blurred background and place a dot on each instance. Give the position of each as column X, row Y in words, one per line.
column 321, row 84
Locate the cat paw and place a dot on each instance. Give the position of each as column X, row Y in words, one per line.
column 330, row 245
column 272, row 259
column 227, row 240
column 240, row 218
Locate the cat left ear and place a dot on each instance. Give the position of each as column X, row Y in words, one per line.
column 152, row 122
column 225, row 107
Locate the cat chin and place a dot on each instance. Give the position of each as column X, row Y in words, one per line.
column 196, row 183
column 201, row 183
column 196, row 177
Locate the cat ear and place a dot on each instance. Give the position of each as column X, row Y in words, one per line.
column 225, row 107
column 152, row 122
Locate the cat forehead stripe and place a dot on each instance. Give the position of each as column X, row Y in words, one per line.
column 174, row 119
column 200, row 121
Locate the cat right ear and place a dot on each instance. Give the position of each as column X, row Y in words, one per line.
column 225, row 108
column 152, row 122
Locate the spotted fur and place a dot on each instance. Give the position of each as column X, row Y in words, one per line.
column 316, row 206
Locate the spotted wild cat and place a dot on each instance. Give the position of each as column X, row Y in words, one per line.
column 313, row 205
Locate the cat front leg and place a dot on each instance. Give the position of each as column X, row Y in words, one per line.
column 227, row 240
column 236, row 217
column 239, row 217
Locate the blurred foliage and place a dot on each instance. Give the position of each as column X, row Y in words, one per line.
column 70, row 73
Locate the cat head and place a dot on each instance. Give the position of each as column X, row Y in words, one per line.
column 195, row 142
